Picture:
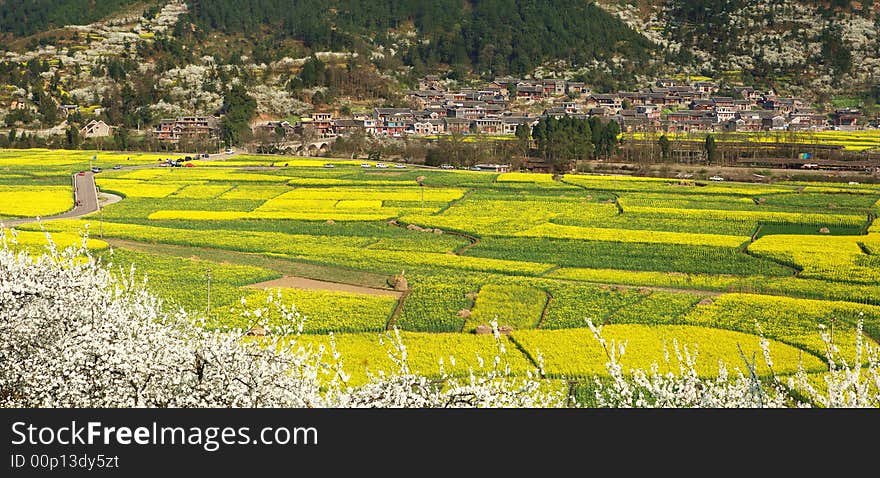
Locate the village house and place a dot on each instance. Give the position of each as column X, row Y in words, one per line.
column 67, row 110
column 424, row 98
column 489, row 125
column 556, row 112
column 772, row 120
column 274, row 128
column 528, row 92
column 322, row 123
column 384, row 114
column 96, row 129
column 702, row 105
column 347, row 126
column 469, row 111
column 689, row 115
column 457, row 125
column 576, row 89
column 746, row 121
column 669, row 83
column 705, row 88
column 651, row 112
column 510, row 123
column 430, row 82
column 805, row 119
column 187, row 127
column 611, row 102
column 724, row 113
column 495, row 168
column 847, row 117
column 553, row 87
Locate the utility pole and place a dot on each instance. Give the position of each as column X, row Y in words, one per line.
column 832, row 331
column 421, row 181
column 209, row 292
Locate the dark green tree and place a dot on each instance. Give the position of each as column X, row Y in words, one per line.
column 522, row 138
column 711, row 148
column 121, row 138
column 664, row 147
column 71, row 137
column 238, row 110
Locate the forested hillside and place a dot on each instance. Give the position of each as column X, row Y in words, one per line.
column 806, row 47
column 497, row 36
column 492, row 36
column 25, row 17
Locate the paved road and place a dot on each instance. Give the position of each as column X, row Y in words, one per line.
column 86, row 201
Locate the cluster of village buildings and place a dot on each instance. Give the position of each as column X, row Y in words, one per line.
column 502, row 105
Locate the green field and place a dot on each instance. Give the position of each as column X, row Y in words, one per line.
column 660, row 264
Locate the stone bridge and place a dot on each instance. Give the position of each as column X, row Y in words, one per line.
column 313, row 148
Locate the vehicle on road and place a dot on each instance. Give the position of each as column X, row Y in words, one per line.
column 328, row 165
column 81, row 173
column 365, row 165
column 117, row 167
column 716, row 178
column 96, row 169
column 447, row 166
column 189, row 165
column 381, row 165
column 399, row 166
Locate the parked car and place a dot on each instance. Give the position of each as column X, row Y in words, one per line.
column 716, row 178
column 447, row 166
column 205, row 155
column 328, row 165
column 81, row 173
column 189, row 165
column 381, row 165
column 399, row 166
column 96, row 169
column 117, row 167
column 365, row 165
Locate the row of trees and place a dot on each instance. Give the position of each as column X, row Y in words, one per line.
column 562, row 141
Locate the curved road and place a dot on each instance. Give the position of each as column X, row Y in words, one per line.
column 85, row 196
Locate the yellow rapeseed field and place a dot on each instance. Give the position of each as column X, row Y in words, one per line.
column 31, row 201
column 577, row 353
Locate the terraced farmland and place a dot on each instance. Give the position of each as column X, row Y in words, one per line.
column 365, row 250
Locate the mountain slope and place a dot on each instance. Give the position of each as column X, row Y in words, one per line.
column 811, row 48
column 493, row 36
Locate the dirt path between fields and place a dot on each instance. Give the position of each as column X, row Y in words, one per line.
column 312, row 284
